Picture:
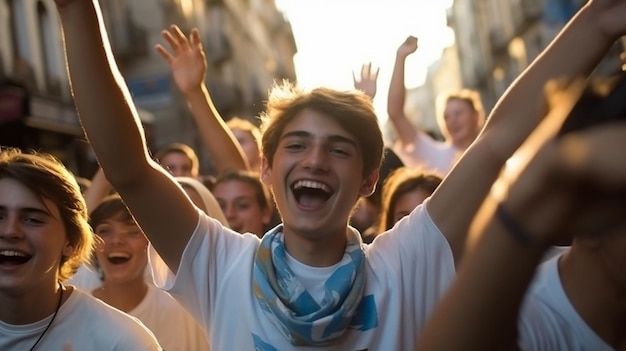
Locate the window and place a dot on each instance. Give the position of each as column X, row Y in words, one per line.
column 8, row 44
column 48, row 46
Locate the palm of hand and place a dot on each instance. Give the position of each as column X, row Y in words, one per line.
column 366, row 85
column 188, row 70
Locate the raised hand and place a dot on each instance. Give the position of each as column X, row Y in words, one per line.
column 367, row 82
column 186, row 59
column 408, row 47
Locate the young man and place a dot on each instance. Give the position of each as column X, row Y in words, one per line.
column 44, row 238
column 460, row 122
column 313, row 283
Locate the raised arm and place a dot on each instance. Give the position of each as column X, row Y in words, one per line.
column 540, row 204
column 99, row 189
column 406, row 131
column 589, row 34
column 112, row 126
column 188, row 64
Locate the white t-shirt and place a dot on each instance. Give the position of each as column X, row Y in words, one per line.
column 172, row 325
column 548, row 321
column 86, row 278
column 428, row 154
column 407, row 271
column 85, row 323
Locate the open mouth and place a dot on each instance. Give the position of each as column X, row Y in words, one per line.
column 118, row 258
column 311, row 194
column 13, row 258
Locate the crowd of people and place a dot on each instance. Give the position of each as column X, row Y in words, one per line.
column 313, row 234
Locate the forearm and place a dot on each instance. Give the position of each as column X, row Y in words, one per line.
column 97, row 191
column 216, row 136
column 511, row 122
column 580, row 36
column 395, row 103
column 105, row 112
column 499, row 265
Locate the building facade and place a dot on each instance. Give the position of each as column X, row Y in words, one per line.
column 249, row 44
column 495, row 40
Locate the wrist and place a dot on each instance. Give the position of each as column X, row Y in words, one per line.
column 534, row 206
column 197, row 91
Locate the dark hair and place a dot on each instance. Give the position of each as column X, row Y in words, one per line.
column 250, row 178
column 352, row 110
column 400, row 182
column 48, row 178
column 111, row 206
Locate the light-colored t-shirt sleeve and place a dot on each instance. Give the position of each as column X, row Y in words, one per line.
column 210, row 253
column 418, row 253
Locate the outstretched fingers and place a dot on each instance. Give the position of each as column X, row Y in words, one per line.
column 194, row 37
column 164, row 53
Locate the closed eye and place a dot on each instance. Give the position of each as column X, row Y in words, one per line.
column 341, row 152
column 33, row 220
column 295, row 146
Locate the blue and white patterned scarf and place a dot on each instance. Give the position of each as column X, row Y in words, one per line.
column 291, row 308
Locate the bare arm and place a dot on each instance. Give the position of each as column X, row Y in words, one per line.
column 111, row 124
column 406, row 131
column 590, row 34
column 98, row 190
column 498, row 268
column 189, row 66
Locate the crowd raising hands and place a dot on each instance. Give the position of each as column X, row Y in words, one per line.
column 546, row 169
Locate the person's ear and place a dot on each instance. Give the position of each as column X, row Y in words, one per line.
column 266, row 171
column 369, row 183
column 68, row 249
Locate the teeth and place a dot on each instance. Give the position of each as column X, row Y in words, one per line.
column 11, row 253
column 119, row 255
column 311, row 185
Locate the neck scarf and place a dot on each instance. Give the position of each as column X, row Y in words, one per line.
column 291, row 308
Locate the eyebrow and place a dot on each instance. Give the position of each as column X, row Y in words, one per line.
column 29, row 210
column 334, row 138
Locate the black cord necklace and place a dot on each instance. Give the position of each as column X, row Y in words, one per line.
column 53, row 317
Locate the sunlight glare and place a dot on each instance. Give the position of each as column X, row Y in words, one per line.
column 335, row 37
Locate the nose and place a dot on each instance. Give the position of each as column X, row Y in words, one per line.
column 316, row 158
column 229, row 212
column 116, row 238
column 10, row 228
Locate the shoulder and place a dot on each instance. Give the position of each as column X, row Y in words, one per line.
column 108, row 324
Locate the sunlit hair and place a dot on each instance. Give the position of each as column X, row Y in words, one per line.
column 352, row 110
column 470, row 97
column 261, row 192
column 400, row 182
column 184, row 149
column 237, row 123
column 48, row 178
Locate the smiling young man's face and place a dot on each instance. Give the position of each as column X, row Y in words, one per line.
column 32, row 239
column 316, row 176
column 122, row 254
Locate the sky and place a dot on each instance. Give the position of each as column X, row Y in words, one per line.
column 335, row 37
